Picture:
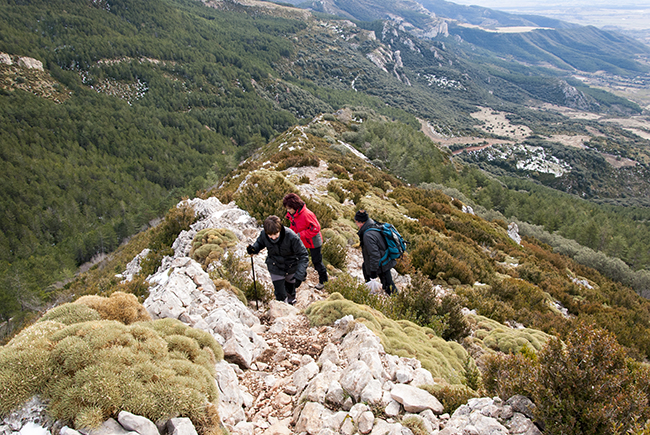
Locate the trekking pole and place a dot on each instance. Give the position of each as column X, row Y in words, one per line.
column 257, row 307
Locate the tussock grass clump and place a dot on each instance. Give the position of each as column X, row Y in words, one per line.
column 23, row 372
column 403, row 338
column 93, row 369
column 70, row 313
column 416, row 424
column 210, row 244
column 493, row 335
column 120, row 306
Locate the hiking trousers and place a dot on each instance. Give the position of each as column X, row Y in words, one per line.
column 284, row 288
column 317, row 261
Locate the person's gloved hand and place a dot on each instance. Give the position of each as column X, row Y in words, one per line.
column 297, row 283
column 250, row 250
column 374, row 285
column 373, row 274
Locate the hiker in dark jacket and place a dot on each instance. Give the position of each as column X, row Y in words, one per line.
column 286, row 259
column 306, row 225
column 373, row 247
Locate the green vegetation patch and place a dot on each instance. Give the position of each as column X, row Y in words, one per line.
column 210, row 244
column 403, row 338
column 493, row 335
column 92, row 369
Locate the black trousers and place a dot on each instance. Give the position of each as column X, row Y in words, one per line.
column 317, row 261
column 285, row 289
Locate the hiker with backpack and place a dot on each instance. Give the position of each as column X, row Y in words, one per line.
column 286, row 259
column 374, row 247
column 306, row 225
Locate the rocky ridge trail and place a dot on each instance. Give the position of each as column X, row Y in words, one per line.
column 281, row 376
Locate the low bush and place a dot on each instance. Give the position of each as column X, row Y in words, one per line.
column 335, row 251
column 120, row 306
column 584, row 384
column 262, row 195
column 293, row 159
column 236, row 273
column 209, row 245
column 451, row 396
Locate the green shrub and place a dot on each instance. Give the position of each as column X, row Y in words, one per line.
column 293, row 159
column 324, row 213
column 419, row 303
column 176, row 220
column 209, row 245
column 336, row 190
column 339, row 171
column 451, row 396
column 236, row 273
column 507, row 375
column 455, row 325
column 335, row 251
column 438, row 263
column 584, row 384
column 262, row 195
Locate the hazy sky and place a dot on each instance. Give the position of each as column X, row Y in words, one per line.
column 622, row 14
column 498, row 4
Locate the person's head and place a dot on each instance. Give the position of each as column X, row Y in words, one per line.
column 292, row 202
column 360, row 218
column 272, row 227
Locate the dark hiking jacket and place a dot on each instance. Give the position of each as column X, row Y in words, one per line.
column 373, row 247
column 284, row 256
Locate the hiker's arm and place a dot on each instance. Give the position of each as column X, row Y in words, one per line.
column 257, row 246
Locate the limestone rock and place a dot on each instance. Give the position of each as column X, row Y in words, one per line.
column 30, row 63
column 137, row 423
column 415, row 399
column 180, row 426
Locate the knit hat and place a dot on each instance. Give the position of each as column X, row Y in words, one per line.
column 361, row 216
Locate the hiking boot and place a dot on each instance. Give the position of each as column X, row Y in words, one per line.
column 291, row 301
column 320, row 286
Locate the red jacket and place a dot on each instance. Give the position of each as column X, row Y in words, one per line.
column 305, row 224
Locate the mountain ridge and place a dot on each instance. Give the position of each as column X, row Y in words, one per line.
column 225, row 82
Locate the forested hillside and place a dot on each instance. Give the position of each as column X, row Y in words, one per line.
column 156, row 106
column 136, row 107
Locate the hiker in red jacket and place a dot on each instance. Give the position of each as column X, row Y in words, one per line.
column 306, row 225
